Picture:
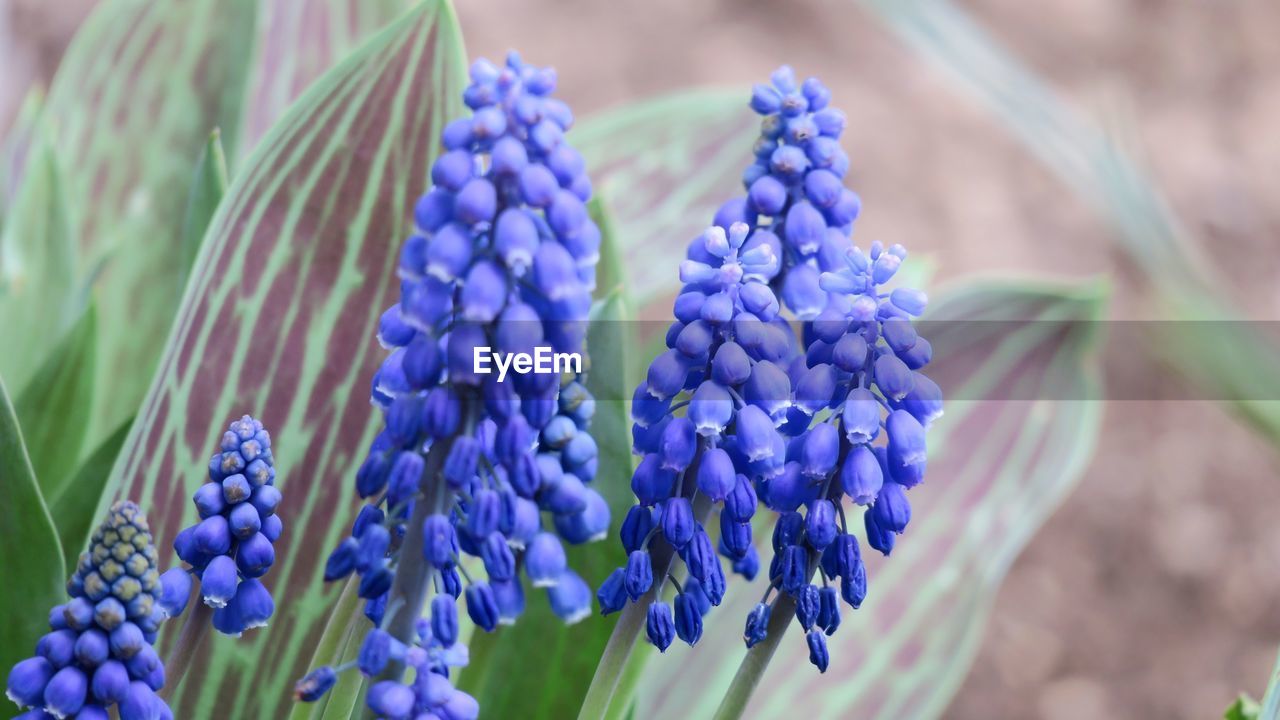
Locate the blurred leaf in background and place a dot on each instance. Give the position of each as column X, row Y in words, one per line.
column 294, row 272
column 1178, row 270
column 139, row 90
column 998, row 468
column 663, row 181
column 135, row 96
column 53, row 411
column 29, row 550
column 39, row 298
column 1244, row 708
column 16, row 147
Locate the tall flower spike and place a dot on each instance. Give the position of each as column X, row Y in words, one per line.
column 99, row 651
column 493, row 465
column 809, row 427
column 725, row 366
column 796, row 201
column 232, row 546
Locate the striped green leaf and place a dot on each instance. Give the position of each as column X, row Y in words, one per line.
column 664, row 166
column 998, row 467
column 296, row 267
column 52, row 409
column 1184, row 278
column 74, row 508
column 342, row 631
column 208, row 186
column 141, row 86
column 39, row 298
column 501, row 673
column 16, row 148
column 298, row 40
column 30, row 556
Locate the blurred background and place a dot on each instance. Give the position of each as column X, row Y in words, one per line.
column 1151, row 591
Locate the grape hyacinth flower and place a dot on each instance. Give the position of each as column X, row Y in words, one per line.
column 492, row 466
column 796, row 201
column 705, row 425
column 232, row 546
column 429, row 691
column 99, row 652
column 738, row 412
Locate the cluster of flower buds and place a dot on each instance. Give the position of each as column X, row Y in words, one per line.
column 472, row 463
column 430, row 654
column 233, row 544
column 796, row 201
column 98, row 653
column 806, row 426
column 727, row 367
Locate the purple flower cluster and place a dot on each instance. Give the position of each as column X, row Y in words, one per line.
column 469, row 463
column 739, row 411
column 98, row 652
column 233, row 544
column 796, row 201
column 430, row 694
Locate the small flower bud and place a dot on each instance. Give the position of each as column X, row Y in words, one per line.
column 660, row 626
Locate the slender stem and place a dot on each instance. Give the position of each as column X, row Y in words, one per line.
column 757, row 659
column 413, row 574
column 631, row 625
column 193, row 632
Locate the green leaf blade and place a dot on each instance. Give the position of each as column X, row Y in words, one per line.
column 54, row 410
column 207, row 189
column 132, row 103
column 664, row 180
column 30, row 554
column 298, row 40
column 297, row 266
column 39, row 299
column 76, row 507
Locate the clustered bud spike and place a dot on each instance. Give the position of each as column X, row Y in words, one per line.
column 739, row 412
column 500, row 469
column 99, row 652
column 232, row 546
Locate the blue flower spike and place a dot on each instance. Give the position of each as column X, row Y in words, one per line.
column 479, row 460
column 741, row 412
column 232, row 546
column 99, row 654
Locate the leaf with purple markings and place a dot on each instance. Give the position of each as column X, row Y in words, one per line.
column 280, row 319
column 141, row 86
column 664, row 180
column 298, row 40
column 1018, row 364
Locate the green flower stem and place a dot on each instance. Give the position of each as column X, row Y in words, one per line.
column 632, row 621
column 184, row 651
column 413, row 575
column 757, row 659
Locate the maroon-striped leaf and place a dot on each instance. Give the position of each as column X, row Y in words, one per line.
column 664, row 166
column 141, row 86
column 298, row 40
column 279, row 321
